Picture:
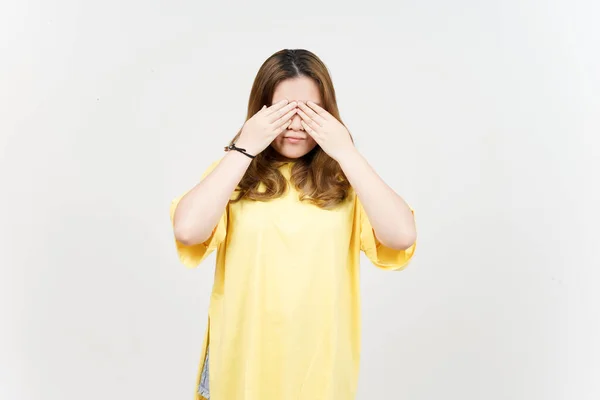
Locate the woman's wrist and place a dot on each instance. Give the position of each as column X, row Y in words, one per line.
column 348, row 157
column 248, row 148
column 238, row 159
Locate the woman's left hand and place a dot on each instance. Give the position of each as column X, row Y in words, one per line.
column 326, row 130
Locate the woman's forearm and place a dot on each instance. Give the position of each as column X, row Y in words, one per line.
column 390, row 216
column 199, row 211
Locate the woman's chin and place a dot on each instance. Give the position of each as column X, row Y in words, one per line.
column 293, row 151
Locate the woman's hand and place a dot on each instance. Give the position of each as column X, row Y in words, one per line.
column 264, row 126
column 328, row 132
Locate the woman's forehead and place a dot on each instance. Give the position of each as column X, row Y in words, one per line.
column 297, row 89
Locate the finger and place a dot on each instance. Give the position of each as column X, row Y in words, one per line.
column 281, row 112
column 275, row 107
column 318, row 109
column 284, row 119
column 310, row 130
column 311, row 113
column 283, row 127
column 308, row 120
column 260, row 112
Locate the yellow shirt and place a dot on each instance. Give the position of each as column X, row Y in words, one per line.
column 284, row 314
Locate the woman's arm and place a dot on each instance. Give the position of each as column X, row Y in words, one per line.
column 390, row 216
column 200, row 209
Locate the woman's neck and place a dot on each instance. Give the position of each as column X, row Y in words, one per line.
column 283, row 159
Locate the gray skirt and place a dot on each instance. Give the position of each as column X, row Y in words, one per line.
column 203, row 388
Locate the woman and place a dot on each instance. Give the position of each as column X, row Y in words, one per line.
column 288, row 209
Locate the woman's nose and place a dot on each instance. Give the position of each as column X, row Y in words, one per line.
column 296, row 125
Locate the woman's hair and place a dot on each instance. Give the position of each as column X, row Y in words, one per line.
column 317, row 177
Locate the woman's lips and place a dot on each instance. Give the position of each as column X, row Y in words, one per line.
column 293, row 139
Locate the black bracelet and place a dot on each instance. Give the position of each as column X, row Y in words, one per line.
column 232, row 146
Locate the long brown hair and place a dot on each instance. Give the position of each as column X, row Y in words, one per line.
column 317, row 177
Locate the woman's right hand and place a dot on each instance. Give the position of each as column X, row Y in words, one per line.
column 264, row 126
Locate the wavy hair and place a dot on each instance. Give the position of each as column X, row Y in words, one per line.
column 316, row 176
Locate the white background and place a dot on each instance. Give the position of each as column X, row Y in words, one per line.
column 480, row 114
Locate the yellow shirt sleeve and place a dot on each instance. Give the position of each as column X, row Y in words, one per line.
column 380, row 255
column 192, row 256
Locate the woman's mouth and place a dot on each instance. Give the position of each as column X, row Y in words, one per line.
column 293, row 139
